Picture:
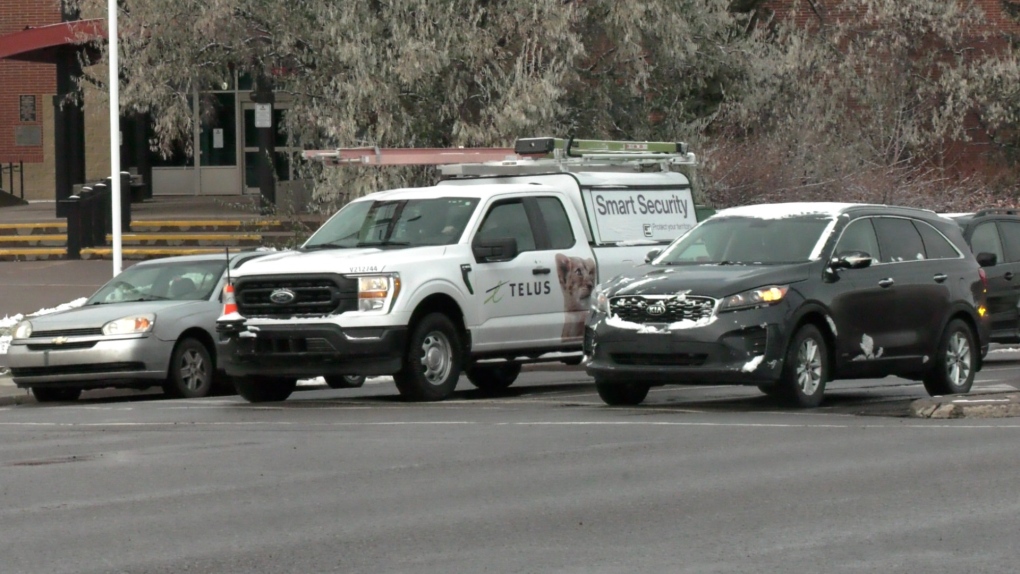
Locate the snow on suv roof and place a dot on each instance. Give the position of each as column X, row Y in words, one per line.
column 782, row 210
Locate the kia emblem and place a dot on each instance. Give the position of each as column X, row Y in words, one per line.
column 282, row 296
column 656, row 309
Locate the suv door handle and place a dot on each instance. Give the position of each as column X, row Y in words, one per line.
column 540, row 271
column 940, row 277
column 886, row 282
column 1008, row 276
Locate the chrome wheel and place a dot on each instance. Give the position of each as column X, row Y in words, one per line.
column 809, row 367
column 958, row 360
column 437, row 357
column 193, row 370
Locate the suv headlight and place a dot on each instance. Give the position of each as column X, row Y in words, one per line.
column 377, row 292
column 130, row 325
column 761, row 297
column 599, row 300
column 22, row 330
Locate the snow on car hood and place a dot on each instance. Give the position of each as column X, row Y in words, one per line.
column 341, row 260
column 705, row 280
column 94, row 316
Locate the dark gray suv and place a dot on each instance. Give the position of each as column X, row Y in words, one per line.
column 790, row 296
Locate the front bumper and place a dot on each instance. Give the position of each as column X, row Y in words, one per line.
column 135, row 361
column 309, row 350
column 739, row 347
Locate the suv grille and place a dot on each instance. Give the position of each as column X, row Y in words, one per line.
column 640, row 309
column 313, row 296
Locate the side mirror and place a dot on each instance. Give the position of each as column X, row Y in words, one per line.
column 652, row 255
column 490, row 250
column 851, row 260
column 986, row 259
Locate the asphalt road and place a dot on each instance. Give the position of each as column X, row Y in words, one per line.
column 546, row 479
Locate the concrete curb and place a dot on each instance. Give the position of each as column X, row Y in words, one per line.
column 985, row 406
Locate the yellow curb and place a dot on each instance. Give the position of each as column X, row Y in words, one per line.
column 28, row 238
column 185, row 236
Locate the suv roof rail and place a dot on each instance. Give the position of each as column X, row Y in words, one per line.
column 528, row 155
column 997, row 211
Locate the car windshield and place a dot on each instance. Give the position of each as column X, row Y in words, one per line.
column 400, row 223
column 176, row 281
column 723, row 240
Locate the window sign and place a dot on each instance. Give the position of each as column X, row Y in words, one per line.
column 217, row 138
column 640, row 215
column 27, row 107
column 263, row 115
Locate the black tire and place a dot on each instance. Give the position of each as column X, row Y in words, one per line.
column 953, row 370
column 622, row 394
column 494, row 378
column 806, row 368
column 191, row 371
column 59, row 395
column 432, row 361
column 264, row 389
column 345, row 381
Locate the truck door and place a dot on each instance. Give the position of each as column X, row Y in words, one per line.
column 520, row 301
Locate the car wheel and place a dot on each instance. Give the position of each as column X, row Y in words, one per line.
column 494, row 378
column 191, row 371
column 953, row 371
column 345, row 381
column 264, row 389
column 622, row 394
column 48, row 395
column 432, row 360
column 806, row 369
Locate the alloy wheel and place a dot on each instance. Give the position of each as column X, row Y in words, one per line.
column 809, row 367
column 193, row 372
column 958, row 359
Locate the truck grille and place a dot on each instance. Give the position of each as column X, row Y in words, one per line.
column 312, row 296
column 640, row 309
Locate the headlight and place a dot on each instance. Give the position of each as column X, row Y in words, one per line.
column 376, row 292
column 129, row 325
column 599, row 300
column 22, row 330
column 760, row 297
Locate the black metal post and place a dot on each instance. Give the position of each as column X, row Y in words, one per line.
column 21, row 177
column 86, row 217
column 125, row 201
column 267, row 146
column 72, row 207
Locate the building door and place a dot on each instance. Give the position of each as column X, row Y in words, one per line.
column 285, row 154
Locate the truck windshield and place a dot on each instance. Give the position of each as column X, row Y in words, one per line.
column 399, row 223
column 748, row 240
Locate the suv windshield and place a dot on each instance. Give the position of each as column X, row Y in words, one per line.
column 725, row 240
column 403, row 223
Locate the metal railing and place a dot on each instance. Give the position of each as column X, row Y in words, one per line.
column 10, row 169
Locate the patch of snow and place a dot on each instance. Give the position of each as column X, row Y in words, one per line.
column 784, row 210
column 832, row 325
column 752, row 364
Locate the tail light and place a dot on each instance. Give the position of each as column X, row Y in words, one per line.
column 229, row 303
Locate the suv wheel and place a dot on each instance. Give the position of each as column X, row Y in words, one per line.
column 47, row 395
column 432, row 361
column 806, row 368
column 191, row 371
column 264, row 389
column 345, row 381
column 622, row 394
column 953, row 371
column 493, row 378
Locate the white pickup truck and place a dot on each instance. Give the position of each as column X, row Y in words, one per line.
column 490, row 268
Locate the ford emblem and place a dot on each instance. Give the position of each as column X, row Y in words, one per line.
column 282, row 296
column 656, row 309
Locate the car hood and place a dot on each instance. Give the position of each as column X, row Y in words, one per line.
column 705, row 280
column 351, row 260
column 95, row 316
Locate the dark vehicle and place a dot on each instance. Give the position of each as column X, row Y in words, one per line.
column 791, row 296
column 997, row 232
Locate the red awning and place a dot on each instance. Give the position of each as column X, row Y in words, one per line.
column 42, row 43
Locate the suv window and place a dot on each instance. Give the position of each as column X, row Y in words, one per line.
column 508, row 219
column 561, row 236
column 898, row 239
column 985, row 239
column 1011, row 235
column 859, row 236
column 936, row 246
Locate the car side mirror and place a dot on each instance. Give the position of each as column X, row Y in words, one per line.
column 652, row 255
column 986, row 259
column 491, row 250
column 851, row 260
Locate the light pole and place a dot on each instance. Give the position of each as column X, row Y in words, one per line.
column 115, row 184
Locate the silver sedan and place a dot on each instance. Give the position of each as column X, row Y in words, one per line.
column 152, row 325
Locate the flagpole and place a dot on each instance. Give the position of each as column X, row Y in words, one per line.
column 115, row 180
